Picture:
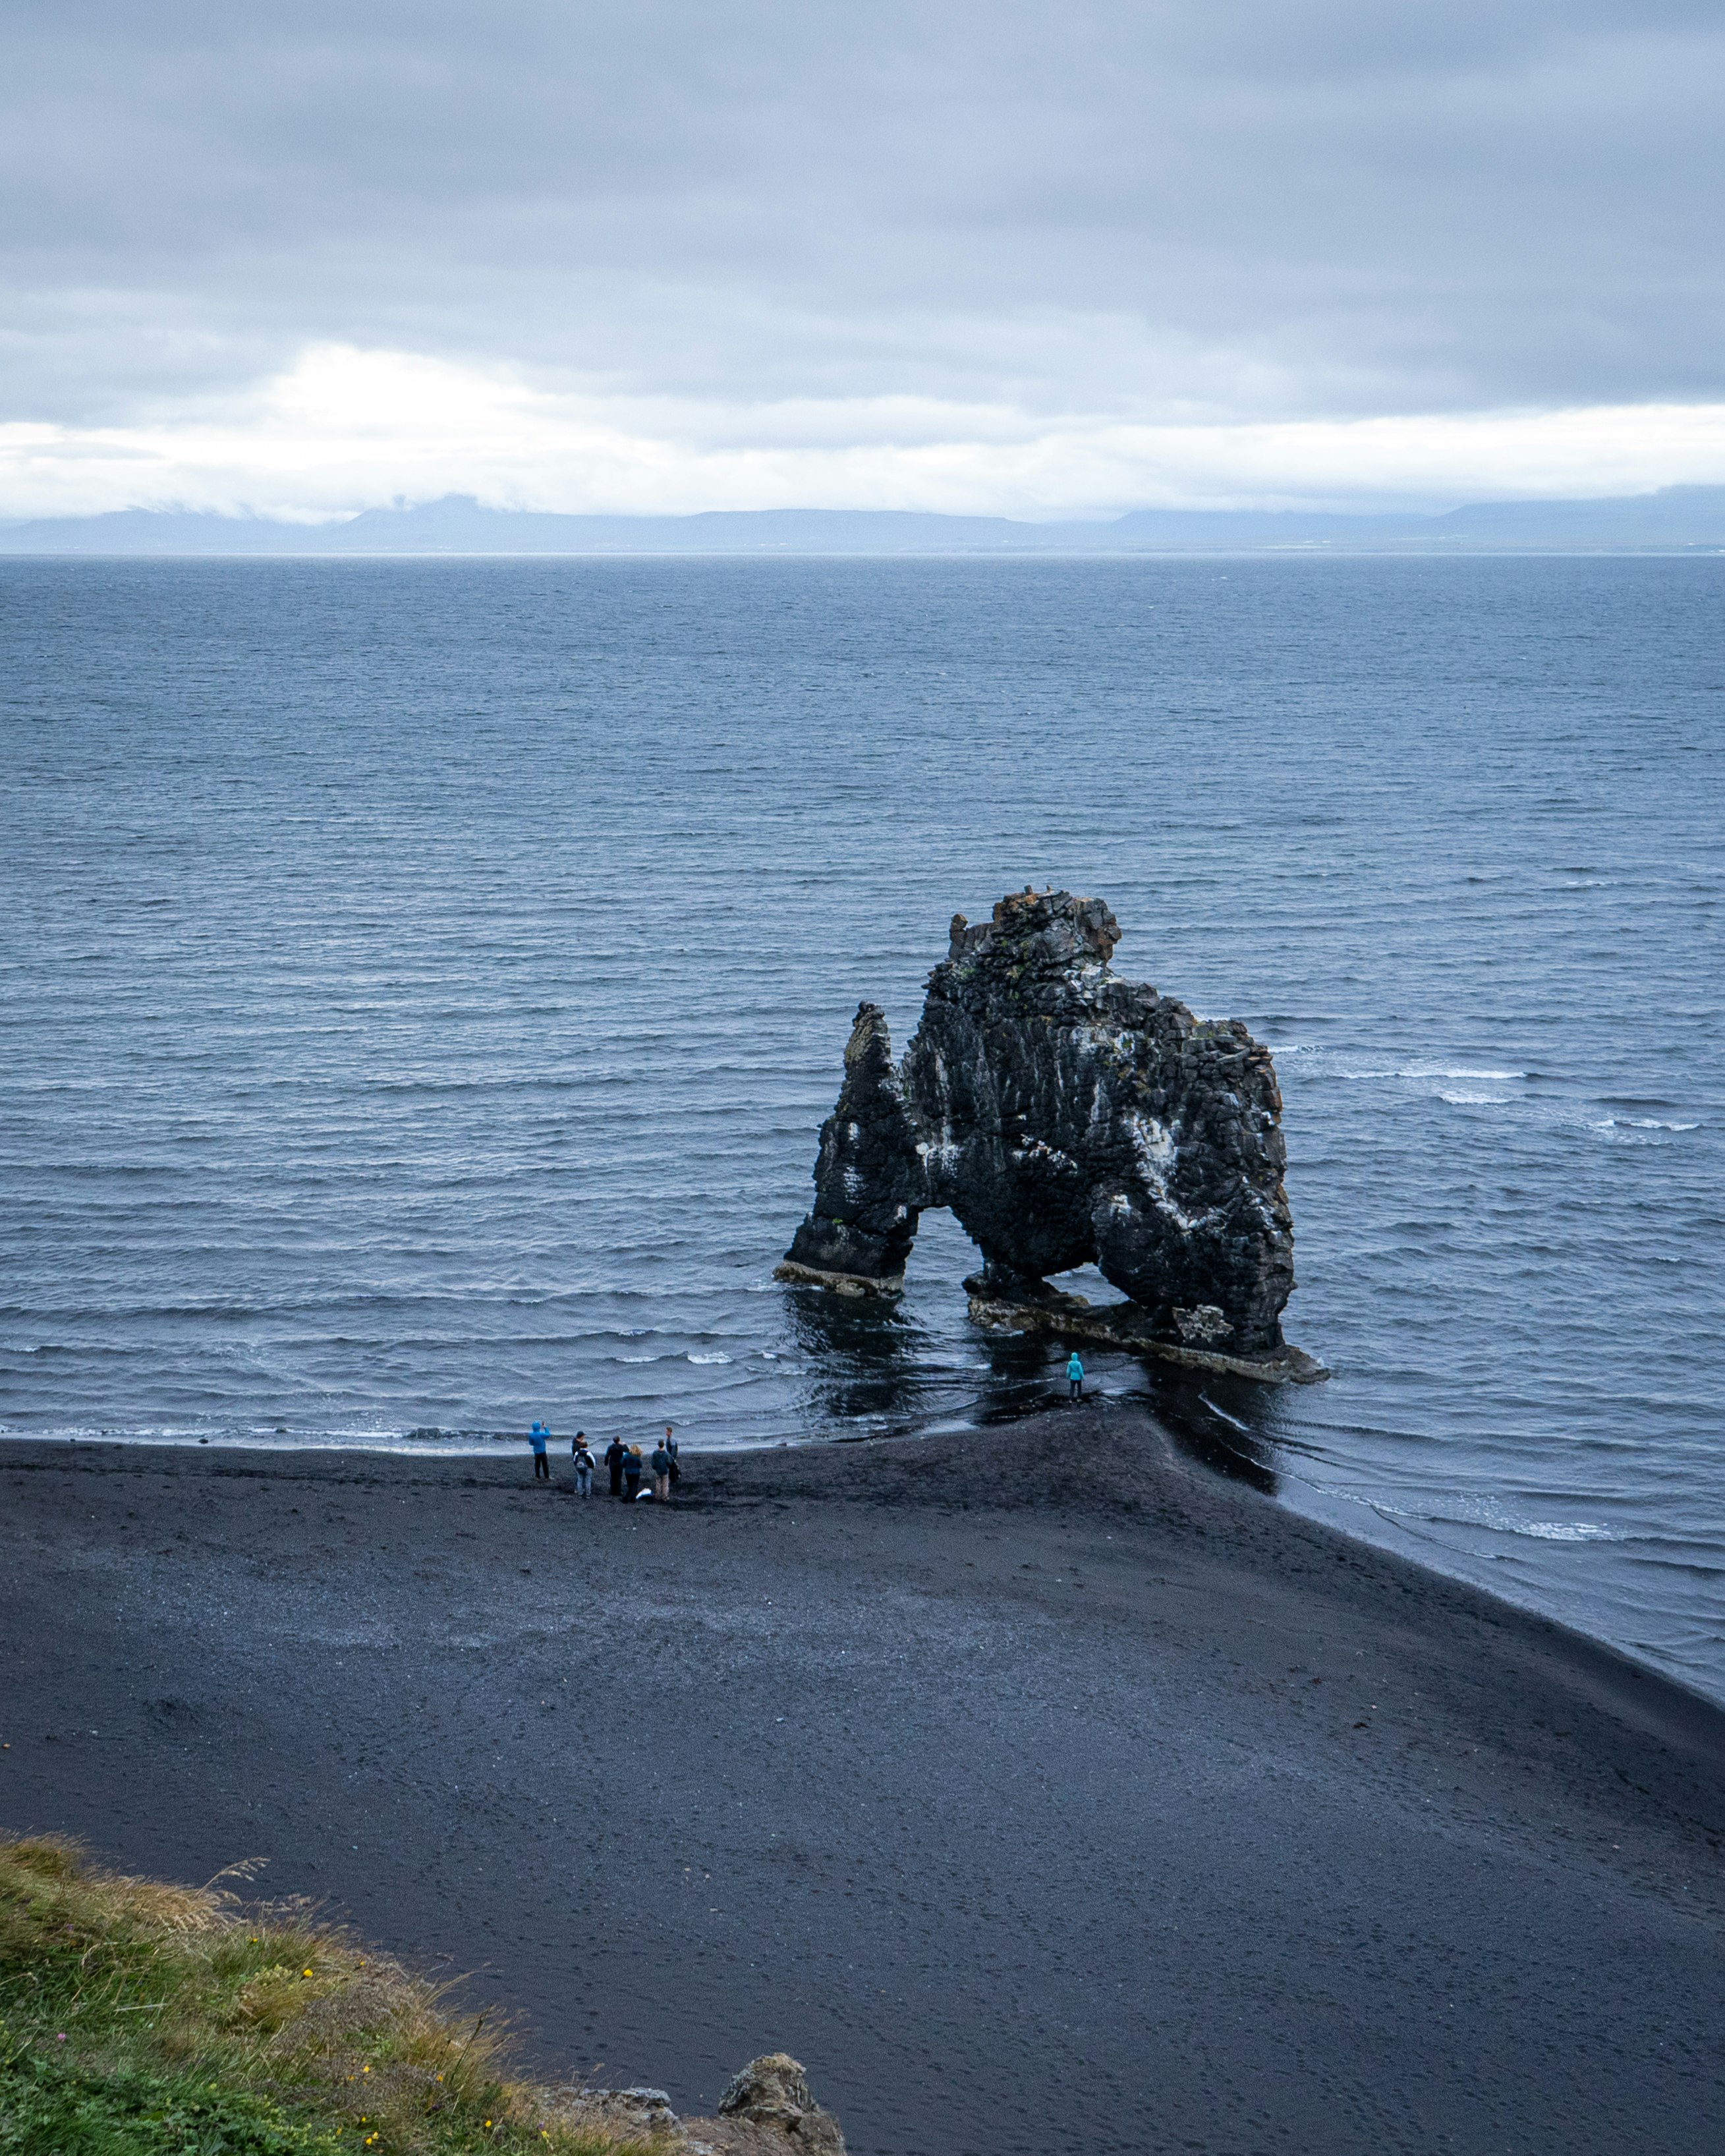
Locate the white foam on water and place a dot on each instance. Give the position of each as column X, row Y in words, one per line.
column 1435, row 1070
column 1490, row 1514
column 1426, row 1072
column 1476, row 1100
column 460, row 1445
column 1633, row 1130
column 709, row 1359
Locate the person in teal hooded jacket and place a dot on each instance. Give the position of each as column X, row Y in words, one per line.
column 1075, row 1378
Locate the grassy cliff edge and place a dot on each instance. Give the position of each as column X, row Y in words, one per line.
column 143, row 2019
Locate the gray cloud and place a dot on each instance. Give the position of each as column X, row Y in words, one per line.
column 1262, row 209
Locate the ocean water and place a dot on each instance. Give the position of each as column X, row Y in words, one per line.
column 424, row 983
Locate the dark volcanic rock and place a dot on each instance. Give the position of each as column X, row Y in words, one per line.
column 1066, row 1117
column 870, row 1183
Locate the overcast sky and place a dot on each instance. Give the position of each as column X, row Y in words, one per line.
column 1014, row 256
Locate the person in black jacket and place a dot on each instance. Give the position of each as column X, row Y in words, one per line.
column 614, row 1461
column 631, row 1471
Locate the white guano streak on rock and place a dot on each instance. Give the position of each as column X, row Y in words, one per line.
column 1157, row 1152
column 945, row 1147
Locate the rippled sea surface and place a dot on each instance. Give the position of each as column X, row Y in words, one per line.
column 424, row 983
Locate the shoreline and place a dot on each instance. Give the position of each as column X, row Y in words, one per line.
column 1240, row 1479
column 1349, row 1519
column 1243, row 1473
column 1041, row 1791
column 1227, row 1487
column 404, row 1449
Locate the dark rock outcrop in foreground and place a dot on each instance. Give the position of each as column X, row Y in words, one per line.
column 1067, row 1116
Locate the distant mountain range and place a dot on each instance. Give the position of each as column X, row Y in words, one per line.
column 1677, row 518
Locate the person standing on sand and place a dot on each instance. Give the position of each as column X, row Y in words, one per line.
column 670, row 1446
column 661, row 1464
column 538, row 1437
column 614, row 1461
column 632, row 1471
column 583, row 1465
column 1075, row 1378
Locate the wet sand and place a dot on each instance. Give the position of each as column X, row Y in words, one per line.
column 1040, row 1791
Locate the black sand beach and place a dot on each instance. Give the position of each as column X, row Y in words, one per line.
column 1042, row 1793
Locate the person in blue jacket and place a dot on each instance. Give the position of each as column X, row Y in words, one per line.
column 1075, row 1378
column 538, row 1437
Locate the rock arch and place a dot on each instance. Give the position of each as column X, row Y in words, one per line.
column 1067, row 1116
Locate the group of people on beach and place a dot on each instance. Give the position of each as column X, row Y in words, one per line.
column 631, row 1477
column 659, row 1474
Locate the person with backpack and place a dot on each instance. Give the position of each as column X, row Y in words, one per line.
column 632, row 1471
column 583, row 1465
column 538, row 1438
column 1075, row 1378
column 661, row 1464
column 614, row 1460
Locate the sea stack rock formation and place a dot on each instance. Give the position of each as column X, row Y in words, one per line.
column 1067, row 1116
